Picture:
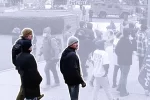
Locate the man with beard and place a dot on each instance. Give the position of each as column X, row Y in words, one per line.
column 70, row 68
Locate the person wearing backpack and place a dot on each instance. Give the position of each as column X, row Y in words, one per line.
column 50, row 52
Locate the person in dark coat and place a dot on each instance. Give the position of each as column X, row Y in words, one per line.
column 70, row 68
column 26, row 34
column 124, row 51
column 89, row 33
column 90, row 15
column 87, row 46
column 82, row 25
column 30, row 77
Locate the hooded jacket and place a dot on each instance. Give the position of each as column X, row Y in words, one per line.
column 70, row 67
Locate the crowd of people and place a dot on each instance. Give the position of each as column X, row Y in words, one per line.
column 85, row 45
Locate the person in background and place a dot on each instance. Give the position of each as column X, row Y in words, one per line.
column 15, row 34
column 83, row 13
column 89, row 33
column 34, row 42
column 30, row 77
column 82, row 26
column 124, row 24
column 67, row 34
column 70, row 68
column 99, row 35
column 90, row 15
column 50, row 52
column 111, row 26
column 133, row 32
column 26, row 34
column 116, row 66
column 100, row 71
column 109, row 41
column 124, row 50
column 142, row 44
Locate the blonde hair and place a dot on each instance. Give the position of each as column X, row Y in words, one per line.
column 26, row 32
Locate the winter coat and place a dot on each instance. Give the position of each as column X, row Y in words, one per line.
column 124, row 50
column 70, row 67
column 30, row 77
column 16, row 49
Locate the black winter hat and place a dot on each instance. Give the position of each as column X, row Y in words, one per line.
column 26, row 45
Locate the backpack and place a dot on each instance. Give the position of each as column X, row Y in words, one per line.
column 16, row 49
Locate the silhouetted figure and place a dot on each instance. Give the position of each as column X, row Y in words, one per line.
column 116, row 66
column 27, row 68
column 82, row 26
column 90, row 15
column 26, row 34
column 124, row 51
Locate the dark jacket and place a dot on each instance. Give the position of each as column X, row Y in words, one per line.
column 16, row 49
column 124, row 51
column 80, row 37
column 70, row 67
column 89, row 34
column 30, row 77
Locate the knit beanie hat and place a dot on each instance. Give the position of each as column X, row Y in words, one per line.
column 72, row 40
column 26, row 45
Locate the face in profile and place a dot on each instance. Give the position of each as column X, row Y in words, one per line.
column 30, row 37
column 75, row 46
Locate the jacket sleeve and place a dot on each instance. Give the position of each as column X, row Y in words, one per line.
column 118, row 47
column 15, row 51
